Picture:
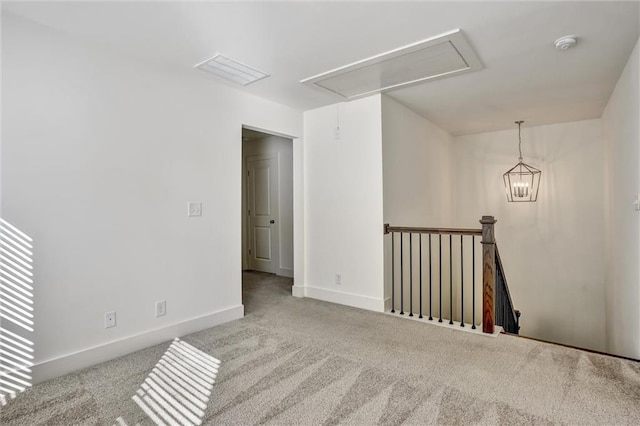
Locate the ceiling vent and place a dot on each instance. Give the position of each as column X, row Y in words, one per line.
column 442, row 56
column 232, row 70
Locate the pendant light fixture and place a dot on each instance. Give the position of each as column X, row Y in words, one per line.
column 522, row 181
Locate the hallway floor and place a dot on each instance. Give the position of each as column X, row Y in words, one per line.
column 262, row 291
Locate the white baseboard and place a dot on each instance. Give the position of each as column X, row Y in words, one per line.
column 497, row 330
column 387, row 304
column 56, row 367
column 340, row 297
column 285, row 272
column 297, row 291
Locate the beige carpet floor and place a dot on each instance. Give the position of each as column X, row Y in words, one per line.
column 306, row 362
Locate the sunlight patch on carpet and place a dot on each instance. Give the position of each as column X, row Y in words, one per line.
column 177, row 390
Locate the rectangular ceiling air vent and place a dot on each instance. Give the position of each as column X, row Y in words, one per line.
column 442, row 56
column 232, row 70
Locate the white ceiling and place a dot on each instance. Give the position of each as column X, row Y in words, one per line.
column 524, row 77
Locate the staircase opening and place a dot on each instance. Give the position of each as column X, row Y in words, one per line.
column 452, row 277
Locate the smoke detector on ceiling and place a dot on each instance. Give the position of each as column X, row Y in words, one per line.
column 566, row 42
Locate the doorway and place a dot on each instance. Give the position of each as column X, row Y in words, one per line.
column 267, row 204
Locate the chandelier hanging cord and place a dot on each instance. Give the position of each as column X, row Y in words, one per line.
column 519, row 123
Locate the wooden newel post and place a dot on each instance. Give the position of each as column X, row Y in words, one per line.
column 488, row 272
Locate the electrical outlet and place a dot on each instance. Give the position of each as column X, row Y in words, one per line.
column 161, row 308
column 338, row 278
column 109, row 319
column 194, row 209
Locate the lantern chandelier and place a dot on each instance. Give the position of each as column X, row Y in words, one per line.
column 522, row 181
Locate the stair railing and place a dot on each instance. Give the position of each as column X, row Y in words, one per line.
column 506, row 316
column 444, row 247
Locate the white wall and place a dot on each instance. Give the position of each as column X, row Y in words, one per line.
column 621, row 124
column 100, row 155
column 417, row 164
column 418, row 191
column 552, row 250
column 343, row 204
column 283, row 148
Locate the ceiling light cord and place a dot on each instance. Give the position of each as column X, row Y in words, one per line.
column 519, row 123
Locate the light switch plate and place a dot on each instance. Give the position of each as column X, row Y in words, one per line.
column 194, row 209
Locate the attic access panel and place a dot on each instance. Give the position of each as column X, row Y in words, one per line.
column 437, row 57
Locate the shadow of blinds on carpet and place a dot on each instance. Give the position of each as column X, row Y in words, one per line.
column 177, row 390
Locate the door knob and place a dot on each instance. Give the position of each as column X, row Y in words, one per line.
column 272, row 221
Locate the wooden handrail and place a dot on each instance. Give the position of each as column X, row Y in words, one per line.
column 499, row 265
column 417, row 230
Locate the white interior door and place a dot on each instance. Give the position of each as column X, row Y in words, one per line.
column 262, row 204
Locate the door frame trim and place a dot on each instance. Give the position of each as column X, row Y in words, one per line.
column 298, row 205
